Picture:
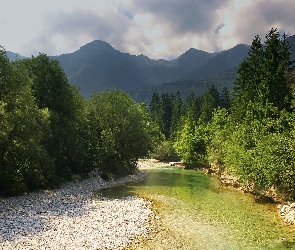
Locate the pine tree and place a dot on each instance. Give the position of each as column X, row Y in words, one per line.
column 225, row 98
column 265, row 77
column 211, row 100
column 176, row 114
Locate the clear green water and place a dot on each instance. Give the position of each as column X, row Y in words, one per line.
column 196, row 213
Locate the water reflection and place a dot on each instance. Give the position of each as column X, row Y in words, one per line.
column 199, row 214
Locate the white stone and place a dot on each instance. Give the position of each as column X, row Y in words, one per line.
column 73, row 218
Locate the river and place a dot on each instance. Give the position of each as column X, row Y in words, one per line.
column 196, row 213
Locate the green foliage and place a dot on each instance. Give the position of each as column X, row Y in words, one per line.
column 121, row 131
column 265, row 77
column 176, row 115
column 24, row 162
column 262, row 151
column 152, row 129
column 67, row 140
column 166, row 111
column 190, row 142
column 44, row 133
column 256, row 139
column 192, row 107
column 165, row 151
column 251, row 133
column 218, row 133
column 225, row 98
column 49, row 132
column 210, row 101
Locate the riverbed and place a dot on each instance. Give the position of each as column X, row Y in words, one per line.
column 194, row 212
column 72, row 218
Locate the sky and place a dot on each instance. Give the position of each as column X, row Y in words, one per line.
column 159, row 29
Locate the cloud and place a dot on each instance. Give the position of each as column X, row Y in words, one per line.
column 183, row 16
column 159, row 29
column 167, row 28
column 72, row 29
column 126, row 12
column 219, row 26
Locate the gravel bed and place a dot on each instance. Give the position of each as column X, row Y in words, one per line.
column 73, row 218
column 287, row 212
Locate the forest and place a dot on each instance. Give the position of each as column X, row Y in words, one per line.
column 50, row 133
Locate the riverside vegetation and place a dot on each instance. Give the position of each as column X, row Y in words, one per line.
column 50, row 133
column 250, row 132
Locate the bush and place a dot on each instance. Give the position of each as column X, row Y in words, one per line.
column 190, row 144
column 165, row 152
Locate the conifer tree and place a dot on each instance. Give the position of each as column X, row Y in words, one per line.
column 265, row 77
column 211, row 100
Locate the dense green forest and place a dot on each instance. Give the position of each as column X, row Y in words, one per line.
column 49, row 132
column 249, row 132
column 187, row 87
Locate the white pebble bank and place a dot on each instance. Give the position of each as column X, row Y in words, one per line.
column 287, row 212
column 73, row 218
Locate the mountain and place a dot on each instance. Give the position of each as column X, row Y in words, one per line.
column 97, row 66
column 13, row 56
column 222, row 62
column 220, row 70
column 187, row 87
column 291, row 40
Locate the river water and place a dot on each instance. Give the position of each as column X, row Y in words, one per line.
column 196, row 213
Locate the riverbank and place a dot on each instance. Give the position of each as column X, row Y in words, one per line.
column 286, row 209
column 72, row 217
column 195, row 212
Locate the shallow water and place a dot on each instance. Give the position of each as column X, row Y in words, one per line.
column 196, row 213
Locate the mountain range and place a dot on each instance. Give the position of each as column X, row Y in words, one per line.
column 97, row 66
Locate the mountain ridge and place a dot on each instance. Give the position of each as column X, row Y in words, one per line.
column 97, row 66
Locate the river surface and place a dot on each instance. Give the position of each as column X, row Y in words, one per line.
column 196, row 213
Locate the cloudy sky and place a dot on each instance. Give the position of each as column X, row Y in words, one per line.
column 156, row 28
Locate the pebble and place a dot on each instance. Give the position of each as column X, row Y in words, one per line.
column 72, row 217
column 287, row 212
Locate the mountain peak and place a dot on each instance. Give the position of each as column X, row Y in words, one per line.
column 97, row 46
column 194, row 57
column 192, row 52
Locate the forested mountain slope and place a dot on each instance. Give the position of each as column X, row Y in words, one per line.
column 97, row 66
column 187, row 87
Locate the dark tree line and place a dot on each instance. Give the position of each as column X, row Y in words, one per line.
column 48, row 132
column 168, row 110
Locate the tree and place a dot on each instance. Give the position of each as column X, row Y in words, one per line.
column 192, row 107
column 210, row 101
column 265, row 77
column 225, row 99
column 67, row 141
column 278, row 71
column 176, row 114
column 190, row 142
column 24, row 162
column 122, row 137
column 166, row 105
column 155, row 137
column 166, row 111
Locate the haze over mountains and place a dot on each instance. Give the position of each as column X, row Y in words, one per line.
column 97, row 66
